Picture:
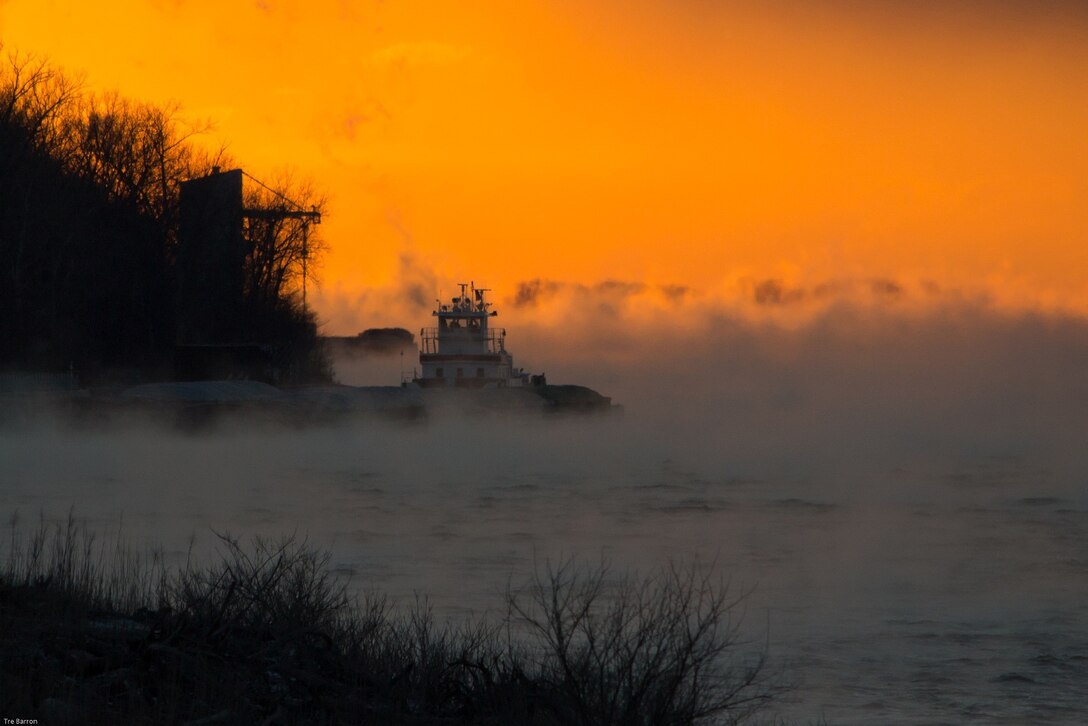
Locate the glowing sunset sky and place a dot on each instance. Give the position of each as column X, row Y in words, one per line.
column 939, row 145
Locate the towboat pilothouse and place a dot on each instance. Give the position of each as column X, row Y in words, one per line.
column 463, row 351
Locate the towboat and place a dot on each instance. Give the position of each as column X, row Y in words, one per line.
column 464, row 350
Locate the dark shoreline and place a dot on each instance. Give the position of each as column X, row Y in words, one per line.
column 93, row 633
column 200, row 404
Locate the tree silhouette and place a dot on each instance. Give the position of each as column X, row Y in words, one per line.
column 89, row 220
column 282, row 250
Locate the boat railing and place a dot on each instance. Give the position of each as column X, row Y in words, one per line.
column 430, row 339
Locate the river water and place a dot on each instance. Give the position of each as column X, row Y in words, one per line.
column 898, row 575
column 905, row 496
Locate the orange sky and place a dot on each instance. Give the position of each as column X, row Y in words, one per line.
column 695, row 142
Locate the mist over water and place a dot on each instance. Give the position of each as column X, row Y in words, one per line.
column 907, row 497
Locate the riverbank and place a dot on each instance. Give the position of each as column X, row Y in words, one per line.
column 92, row 632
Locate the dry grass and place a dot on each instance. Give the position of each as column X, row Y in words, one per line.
column 96, row 632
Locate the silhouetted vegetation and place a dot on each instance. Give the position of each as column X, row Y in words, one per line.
column 95, row 633
column 89, row 219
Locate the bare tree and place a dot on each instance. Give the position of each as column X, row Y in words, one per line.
column 137, row 152
column 89, row 224
column 34, row 98
column 283, row 250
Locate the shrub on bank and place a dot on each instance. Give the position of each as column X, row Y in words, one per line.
column 93, row 632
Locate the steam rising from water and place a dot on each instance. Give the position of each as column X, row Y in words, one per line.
column 906, row 493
